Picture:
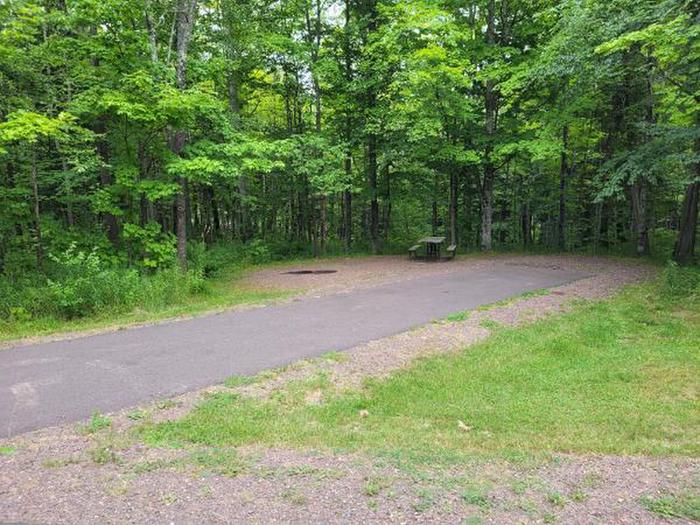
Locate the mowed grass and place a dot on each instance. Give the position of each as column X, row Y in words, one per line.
column 620, row 376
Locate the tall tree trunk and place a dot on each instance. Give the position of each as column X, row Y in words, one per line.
column 526, row 224
column 372, row 14
column 37, row 215
column 347, row 193
column 638, row 194
column 453, row 207
column 374, row 203
column 186, row 12
column 109, row 221
column 563, row 172
column 684, row 251
column 490, row 108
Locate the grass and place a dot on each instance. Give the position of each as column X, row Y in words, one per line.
column 96, row 423
column 675, row 506
column 619, row 376
column 224, row 291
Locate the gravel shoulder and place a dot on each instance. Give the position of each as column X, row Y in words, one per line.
column 70, row 475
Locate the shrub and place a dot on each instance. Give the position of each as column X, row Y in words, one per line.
column 680, row 281
column 84, row 286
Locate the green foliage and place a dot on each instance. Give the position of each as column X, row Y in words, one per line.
column 681, row 281
column 84, row 286
column 97, row 422
column 149, row 245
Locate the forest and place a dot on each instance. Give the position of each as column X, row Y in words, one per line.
column 147, row 138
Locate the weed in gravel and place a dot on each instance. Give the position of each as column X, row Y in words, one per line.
column 7, row 450
column 684, row 505
column 119, row 487
column 556, row 499
column 137, row 415
column 314, row 472
column 549, row 518
column 591, row 480
column 103, row 454
column 96, row 423
column 294, row 496
column 335, row 357
column 578, row 496
column 167, row 404
column 168, row 498
column 457, row 317
column 206, row 491
column 151, row 465
column 375, row 484
column 236, row 381
column 490, row 324
column 426, row 499
column 225, row 461
column 475, row 495
column 59, row 462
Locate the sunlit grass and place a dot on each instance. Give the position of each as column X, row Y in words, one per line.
column 620, row 376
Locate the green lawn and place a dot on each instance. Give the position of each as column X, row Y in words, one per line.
column 620, row 376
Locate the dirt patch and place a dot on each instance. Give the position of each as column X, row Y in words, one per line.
column 60, row 475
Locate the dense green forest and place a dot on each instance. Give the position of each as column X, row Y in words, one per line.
column 136, row 135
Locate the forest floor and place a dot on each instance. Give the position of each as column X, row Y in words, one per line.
column 576, row 404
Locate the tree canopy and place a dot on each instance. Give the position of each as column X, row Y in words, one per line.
column 139, row 128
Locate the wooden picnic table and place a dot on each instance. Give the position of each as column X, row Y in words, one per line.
column 432, row 246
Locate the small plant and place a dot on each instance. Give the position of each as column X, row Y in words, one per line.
column 426, row 499
column 579, row 496
column 97, row 422
column 225, row 462
column 59, row 462
column 474, row 495
column 168, row 498
column 556, row 499
column 375, row 484
column 674, row 506
column 236, row 381
column 103, row 454
column 294, row 496
column 166, row 404
column 6, row 450
column 457, row 317
column 137, row 415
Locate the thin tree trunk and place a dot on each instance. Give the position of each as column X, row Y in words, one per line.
column 37, row 215
column 638, row 195
column 684, row 251
column 186, row 11
column 453, row 207
column 374, row 203
column 563, row 172
column 490, row 107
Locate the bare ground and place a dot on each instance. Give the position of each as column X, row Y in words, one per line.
column 62, row 475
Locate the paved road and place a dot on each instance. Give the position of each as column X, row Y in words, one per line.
column 64, row 381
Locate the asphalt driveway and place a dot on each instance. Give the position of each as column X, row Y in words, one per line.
column 63, row 381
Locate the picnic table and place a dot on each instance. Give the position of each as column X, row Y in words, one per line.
column 433, row 246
